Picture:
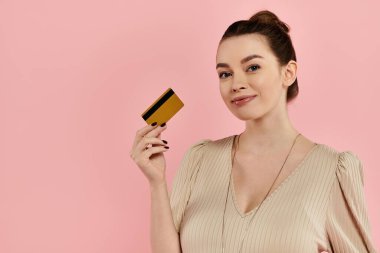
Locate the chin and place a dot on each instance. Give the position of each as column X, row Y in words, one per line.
column 247, row 116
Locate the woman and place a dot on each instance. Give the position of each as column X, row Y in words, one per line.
column 268, row 189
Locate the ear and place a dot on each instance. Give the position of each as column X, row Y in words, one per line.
column 290, row 73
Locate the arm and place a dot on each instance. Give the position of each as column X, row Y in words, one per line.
column 164, row 237
column 347, row 220
column 168, row 211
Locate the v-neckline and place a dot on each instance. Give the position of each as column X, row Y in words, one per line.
column 294, row 171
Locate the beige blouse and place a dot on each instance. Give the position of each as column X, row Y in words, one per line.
column 319, row 207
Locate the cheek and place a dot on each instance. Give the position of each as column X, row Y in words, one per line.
column 271, row 92
column 223, row 91
column 267, row 88
column 225, row 94
column 258, row 82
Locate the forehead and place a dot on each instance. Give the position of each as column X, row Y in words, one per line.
column 235, row 48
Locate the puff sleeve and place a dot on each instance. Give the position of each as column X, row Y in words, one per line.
column 347, row 225
column 184, row 179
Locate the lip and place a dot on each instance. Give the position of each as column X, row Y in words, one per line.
column 242, row 97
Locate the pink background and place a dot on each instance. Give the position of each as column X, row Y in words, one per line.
column 76, row 75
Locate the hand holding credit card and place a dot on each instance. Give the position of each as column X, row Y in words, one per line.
column 163, row 109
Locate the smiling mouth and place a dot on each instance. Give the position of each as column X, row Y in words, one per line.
column 244, row 100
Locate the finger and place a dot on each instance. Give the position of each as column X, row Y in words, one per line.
column 147, row 142
column 165, row 142
column 158, row 130
column 146, row 129
column 154, row 150
column 143, row 131
column 158, row 137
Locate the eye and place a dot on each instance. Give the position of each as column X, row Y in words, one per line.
column 252, row 66
column 221, row 74
column 257, row 66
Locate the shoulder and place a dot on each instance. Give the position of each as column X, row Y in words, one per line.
column 213, row 144
column 347, row 164
column 326, row 155
column 209, row 146
column 350, row 168
column 330, row 152
column 344, row 157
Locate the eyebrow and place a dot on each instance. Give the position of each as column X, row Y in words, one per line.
column 244, row 60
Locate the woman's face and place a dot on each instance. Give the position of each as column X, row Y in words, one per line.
column 259, row 76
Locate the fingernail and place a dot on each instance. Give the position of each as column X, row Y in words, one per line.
column 154, row 123
column 163, row 124
column 166, row 147
column 164, row 141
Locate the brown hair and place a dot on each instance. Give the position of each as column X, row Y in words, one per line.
column 276, row 33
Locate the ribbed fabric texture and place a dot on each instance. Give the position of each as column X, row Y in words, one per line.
column 319, row 207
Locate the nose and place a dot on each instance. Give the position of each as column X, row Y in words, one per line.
column 239, row 82
column 238, row 85
column 236, row 89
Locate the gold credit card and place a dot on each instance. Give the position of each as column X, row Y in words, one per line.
column 163, row 109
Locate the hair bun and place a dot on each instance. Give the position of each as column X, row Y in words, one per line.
column 268, row 17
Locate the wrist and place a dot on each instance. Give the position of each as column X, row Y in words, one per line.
column 157, row 184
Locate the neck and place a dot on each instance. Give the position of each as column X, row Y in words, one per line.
column 266, row 135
